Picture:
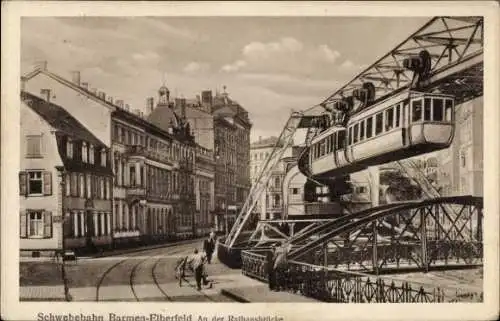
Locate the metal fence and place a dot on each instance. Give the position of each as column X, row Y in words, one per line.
column 332, row 285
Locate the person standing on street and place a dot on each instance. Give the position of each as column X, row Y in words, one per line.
column 271, row 272
column 209, row 246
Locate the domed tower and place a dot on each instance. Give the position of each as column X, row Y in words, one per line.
column 163, row 95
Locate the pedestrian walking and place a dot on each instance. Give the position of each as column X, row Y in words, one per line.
column 197, row 262
column 209, row 246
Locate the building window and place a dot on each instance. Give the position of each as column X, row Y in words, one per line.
column 295, row 191
column 84, row 152
column 34, row 146
column 89, row 186
column 69, row 148
column 91, row 154
column 36, row 224
column 35, row 183
column 132, row 175
column 81, row 191
column 103, row 157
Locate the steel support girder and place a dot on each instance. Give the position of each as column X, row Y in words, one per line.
column 440, row 43
column 353, row 225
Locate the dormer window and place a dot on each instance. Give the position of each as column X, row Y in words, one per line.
column 85, row 152
column 103, row 157
column 69, row 148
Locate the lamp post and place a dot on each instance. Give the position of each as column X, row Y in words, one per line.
column 226, row 209
column 226, row 172
column 62, row 174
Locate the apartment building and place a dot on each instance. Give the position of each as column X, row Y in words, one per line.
column 65, row 182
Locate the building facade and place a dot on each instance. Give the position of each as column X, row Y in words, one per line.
column 153, row 190
column 270, row 204
column 65, row 182
column 232, row 152
column 460, row 169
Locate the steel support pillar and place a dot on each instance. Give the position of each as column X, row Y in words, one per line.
column 423, row 236
column 374, row 247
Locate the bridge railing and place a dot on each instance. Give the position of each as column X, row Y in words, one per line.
column 331, row 285
column 255, row 264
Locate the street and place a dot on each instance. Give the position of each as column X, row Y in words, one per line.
column 146, row 275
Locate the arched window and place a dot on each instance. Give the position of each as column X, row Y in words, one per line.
column 277, row 182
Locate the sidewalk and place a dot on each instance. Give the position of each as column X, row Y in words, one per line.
column 114, row 252
column 248, row 290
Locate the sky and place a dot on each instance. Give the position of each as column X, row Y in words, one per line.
column 270, row 65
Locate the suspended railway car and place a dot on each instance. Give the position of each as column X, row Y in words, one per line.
column 401, row 126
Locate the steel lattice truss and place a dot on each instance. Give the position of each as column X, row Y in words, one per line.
column 421, row 234
column 455, row 45
column 297, row 120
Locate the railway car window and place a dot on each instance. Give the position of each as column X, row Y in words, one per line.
column 341, row 139
column 322, row 148
column 350, row 136
column 448, row 109
column 437, row 109
column 416, row 106
column 355, row 133
column 398, row 115
column 378, row 123
column 362, row 130
column 389, row 119
column 427, row 109
column 369, row 127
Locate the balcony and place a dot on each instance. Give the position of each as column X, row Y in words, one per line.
column 186, row 165
column 136, row 150
column 136, row 191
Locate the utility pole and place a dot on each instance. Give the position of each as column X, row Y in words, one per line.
column 227, row 202
column 62, row 174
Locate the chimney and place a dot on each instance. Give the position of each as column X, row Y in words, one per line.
column 206, row 98
column 127, row 107
column 102, row 95
column 42, row 65
column 93, row 91
column 119, row 103
column 109, row 99
column 260, row 138
column 76, row 77
column 183, row 107
column 150, row 105
column 45, row 94
column 85, row 85
column 137, row 112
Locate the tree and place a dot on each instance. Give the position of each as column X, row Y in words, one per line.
column 399, row 186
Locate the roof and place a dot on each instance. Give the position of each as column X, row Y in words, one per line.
column 60, row 119
column 162, row 116
column 266, row 142
column 70, row 84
